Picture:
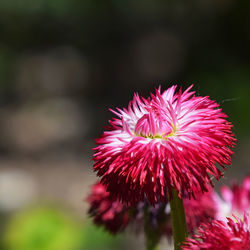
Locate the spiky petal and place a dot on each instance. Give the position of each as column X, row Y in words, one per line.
column 235, row 235
column 168, row 140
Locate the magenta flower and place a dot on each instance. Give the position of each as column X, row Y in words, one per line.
column 107, row 212
column 235, row 201
column 233, row 235
column 168, row 140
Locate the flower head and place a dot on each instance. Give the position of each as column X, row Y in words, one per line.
column 106, row 211
column 168, row 140
column 235, row 234
column 235, row 200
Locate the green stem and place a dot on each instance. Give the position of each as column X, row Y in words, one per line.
column 178, row 220
column 152, row 237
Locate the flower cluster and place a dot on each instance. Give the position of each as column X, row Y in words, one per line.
column 115, row 216
column 171, row 139
column 212, row 234
column 235, row 234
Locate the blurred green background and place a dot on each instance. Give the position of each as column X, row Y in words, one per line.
column 63, row 63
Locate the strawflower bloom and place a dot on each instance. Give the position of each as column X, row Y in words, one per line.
column 233, row 235
column 235, row 200
column 168, row 140
column 115, row 216
column 106, row 211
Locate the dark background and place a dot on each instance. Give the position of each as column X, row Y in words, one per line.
column 63, row 63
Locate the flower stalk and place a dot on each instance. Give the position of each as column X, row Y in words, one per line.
column 178, row 220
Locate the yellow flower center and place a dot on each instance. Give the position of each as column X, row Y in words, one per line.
column 160, row 136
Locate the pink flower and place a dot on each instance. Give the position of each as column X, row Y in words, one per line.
column 106, row 211
column 200, row 210
column 233, row 235
column 168, row 140
column 235, row 201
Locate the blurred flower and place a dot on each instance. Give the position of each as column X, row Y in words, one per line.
column 115, row 216
column 235, row 201
column 168, row 140
column 235, row 234
column 106, row 211
column 200, row 210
